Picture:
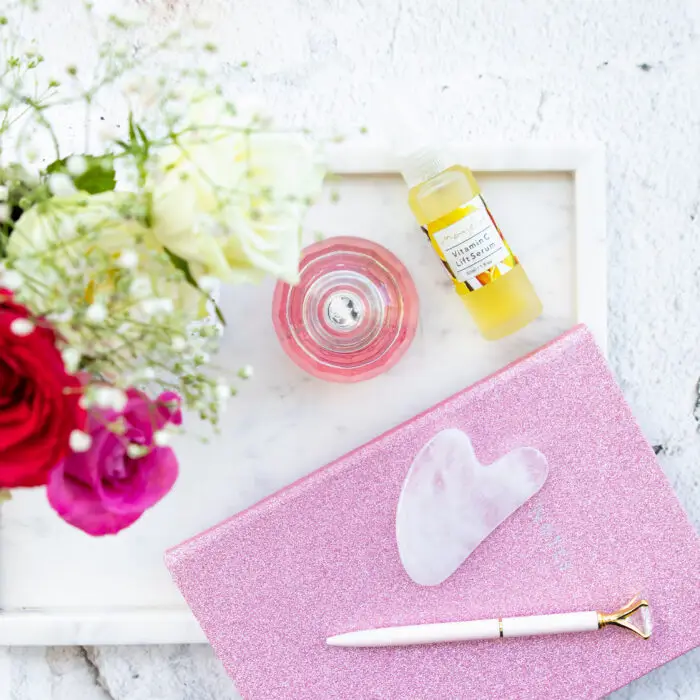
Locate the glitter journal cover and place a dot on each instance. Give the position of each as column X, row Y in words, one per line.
column 320, row 557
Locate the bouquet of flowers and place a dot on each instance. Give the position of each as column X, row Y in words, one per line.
column 111, row 254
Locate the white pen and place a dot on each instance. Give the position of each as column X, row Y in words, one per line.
column 636, row 616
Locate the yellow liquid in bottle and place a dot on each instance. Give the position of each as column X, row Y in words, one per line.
column 507, row 301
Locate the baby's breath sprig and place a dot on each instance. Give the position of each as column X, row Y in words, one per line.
column 117, row 237
column 119, row 243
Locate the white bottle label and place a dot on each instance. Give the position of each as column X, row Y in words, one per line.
column 473, row 246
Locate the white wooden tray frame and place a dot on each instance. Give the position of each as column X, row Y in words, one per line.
column 584, row 161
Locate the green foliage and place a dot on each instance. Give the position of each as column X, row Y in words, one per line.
column 184, row 267
column 99, row 175
column 22, row 194
column 137, row 147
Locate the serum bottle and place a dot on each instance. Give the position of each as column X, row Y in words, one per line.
column 446, row 200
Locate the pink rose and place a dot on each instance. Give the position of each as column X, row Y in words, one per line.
column 107, row 488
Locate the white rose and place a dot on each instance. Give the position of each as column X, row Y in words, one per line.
column 232, row 203
column 54, row 238
column 61, row 226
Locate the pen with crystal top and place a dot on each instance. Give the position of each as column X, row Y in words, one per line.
column 636, row 617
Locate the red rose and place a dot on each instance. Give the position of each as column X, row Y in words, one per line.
column 38, row 399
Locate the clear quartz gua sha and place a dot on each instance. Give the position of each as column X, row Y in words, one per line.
column 353, row 313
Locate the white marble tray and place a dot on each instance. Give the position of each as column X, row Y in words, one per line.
column 58, row 586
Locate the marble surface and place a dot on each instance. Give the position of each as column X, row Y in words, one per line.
column 624, row 73
column 116, row 590
column 100, row 586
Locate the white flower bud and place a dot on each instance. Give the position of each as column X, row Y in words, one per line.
column 141, row 287
column 4, row 193
column 202, row 357
column 4, row 212
column 111, row 397
column 167, row 306
column 80, row 441
column 178, row 343
column 128, row 259
column 119, row 400
column 76, row 165
column 61, row 185
column 31, row 173
column 147, row 373
column 10, row 279
column 103, row 397
column 32, row 156
column 65, row 316
column 22, row 327
column 135, row 451
column 246, row 372
column 151, row 307
column 223, row 391
column 208, row 284
column 96, row 313
column 71, row 359
column 161, row 438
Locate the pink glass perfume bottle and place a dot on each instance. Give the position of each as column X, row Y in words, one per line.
column 353, row 314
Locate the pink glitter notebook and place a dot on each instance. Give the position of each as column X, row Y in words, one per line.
column 320, row 557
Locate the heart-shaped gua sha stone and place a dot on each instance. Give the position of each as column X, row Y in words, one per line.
column 450, row 502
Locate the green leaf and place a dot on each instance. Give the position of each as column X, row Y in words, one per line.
column 218, row 313
column 132, row 129
column 144, row 139
column 98, row 177
column 184, row 267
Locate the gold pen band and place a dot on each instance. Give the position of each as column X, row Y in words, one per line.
column 500, row 627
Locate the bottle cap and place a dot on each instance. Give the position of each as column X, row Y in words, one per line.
column 353, row 313
column 423, row 164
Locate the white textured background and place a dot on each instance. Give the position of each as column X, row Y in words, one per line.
column 626, row 72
